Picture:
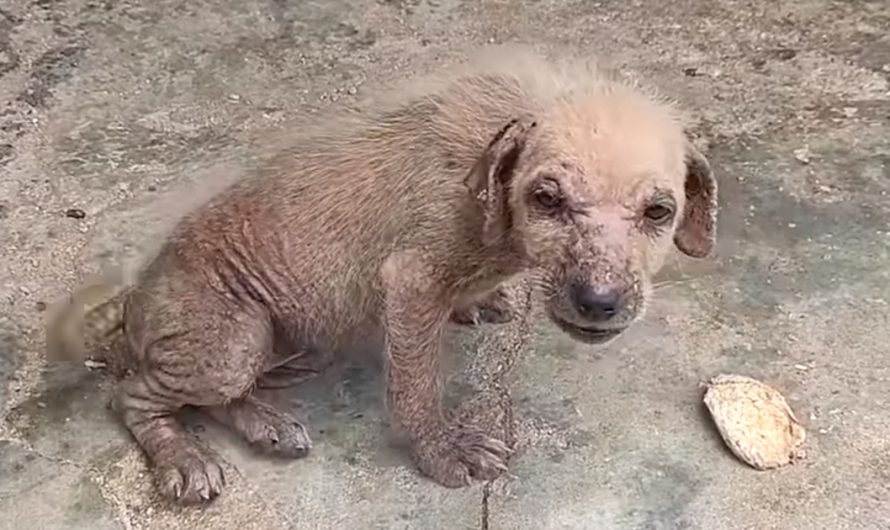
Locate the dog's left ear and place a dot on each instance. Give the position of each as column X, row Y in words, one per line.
column 697, row 230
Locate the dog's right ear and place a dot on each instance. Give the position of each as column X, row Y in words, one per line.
column 489, row 180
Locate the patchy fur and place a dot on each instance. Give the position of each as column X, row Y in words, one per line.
column 387, row 223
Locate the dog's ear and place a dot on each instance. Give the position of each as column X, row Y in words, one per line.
column 697, row 230
column 489, row 180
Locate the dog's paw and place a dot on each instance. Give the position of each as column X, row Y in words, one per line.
column 456, row 456
column 189, row 475
column 275, row 432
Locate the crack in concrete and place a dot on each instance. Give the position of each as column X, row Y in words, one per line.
column 28, row 447
column 486, row 492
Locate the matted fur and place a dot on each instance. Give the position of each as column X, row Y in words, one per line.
column 383, row 223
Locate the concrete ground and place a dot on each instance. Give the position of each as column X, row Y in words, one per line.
column 121, row 109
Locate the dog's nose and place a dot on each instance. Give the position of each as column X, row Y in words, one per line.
column 596, row 304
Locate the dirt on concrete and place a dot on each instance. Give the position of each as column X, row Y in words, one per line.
column 129, row 111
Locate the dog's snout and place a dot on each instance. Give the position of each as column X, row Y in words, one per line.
column 596, row 304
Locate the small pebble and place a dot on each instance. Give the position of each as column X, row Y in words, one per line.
column 803, row 155
column 690, row 72
column 785, row 54
column 93, row 365
column 75, row 213
column 40, row 306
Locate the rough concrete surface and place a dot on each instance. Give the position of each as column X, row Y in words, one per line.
column 114, row 112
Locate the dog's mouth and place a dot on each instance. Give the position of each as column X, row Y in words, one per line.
column 589, row 335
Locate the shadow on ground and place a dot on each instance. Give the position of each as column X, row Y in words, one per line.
column 126, row 111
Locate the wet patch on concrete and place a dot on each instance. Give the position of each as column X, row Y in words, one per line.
column 7, row 153
column 12, row 127
column 327, row 23
column 665, row 488
column 10, row 360
column 49, row 70
column 44, row 492
column 9, row 57
column 70, row 419
column 10, row 60
column 8, row 20
column 86, row 154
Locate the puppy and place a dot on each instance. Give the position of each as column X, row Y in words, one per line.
column 389, row 223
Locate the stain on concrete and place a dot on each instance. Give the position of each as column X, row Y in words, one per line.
column 10, row 357
column 87, row 501
column 50, row 69
column 90, row 151
column 9, row 61
column 797, row 292
column 9, row 58
column 49, row 493
column 7, row 152
column 666, row 488
column 13, row 128
column 73, row 406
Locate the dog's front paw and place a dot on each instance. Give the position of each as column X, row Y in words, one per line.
column 457, row 455
column 188, row 474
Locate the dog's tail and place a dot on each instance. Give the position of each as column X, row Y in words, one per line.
column 87, row 323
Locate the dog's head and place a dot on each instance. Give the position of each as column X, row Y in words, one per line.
column 593, row 193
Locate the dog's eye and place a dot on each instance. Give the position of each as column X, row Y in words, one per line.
column 547, row 195
column 659, row 213
column 547, row 198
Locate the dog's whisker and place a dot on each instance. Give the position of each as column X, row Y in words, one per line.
column 669, row 283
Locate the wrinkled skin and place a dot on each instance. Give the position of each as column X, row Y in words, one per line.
column 597, row 225
column 390, row 227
